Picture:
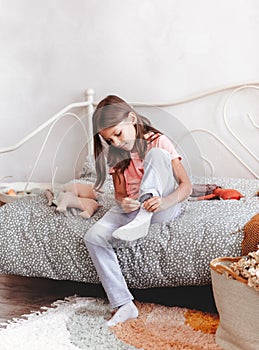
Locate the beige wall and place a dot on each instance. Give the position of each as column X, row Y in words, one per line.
column 149, row 50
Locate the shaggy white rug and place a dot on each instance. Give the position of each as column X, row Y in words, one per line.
column 73, row 324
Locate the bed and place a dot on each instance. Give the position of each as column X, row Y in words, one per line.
column 37, row 241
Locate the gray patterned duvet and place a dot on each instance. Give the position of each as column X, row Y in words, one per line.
column 38, row 242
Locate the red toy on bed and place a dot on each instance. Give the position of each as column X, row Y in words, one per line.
column 217, row 193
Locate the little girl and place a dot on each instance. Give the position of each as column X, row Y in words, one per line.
column 149, row 182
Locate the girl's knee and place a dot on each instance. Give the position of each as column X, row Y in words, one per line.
column 157, row 154
column 89, row 237
column 158, row 158
column 92, row 236
column 98, row 236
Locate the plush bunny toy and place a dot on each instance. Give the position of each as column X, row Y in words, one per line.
column 75, row 196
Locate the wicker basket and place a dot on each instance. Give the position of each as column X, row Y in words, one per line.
column 237, row 305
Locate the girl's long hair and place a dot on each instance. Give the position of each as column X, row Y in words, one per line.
column 109, row 112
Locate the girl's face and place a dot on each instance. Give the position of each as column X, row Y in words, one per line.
column 122, row 135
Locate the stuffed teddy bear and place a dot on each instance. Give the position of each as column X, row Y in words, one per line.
column 74, row 196
column 220, row 193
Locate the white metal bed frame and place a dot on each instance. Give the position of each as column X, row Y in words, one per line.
column 89, row 106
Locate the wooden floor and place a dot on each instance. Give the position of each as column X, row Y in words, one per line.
column 21, row 295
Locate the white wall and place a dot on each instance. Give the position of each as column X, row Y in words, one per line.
column 149, row 50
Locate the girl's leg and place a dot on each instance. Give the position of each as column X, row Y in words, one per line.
column 98, row 242
column 158, row 180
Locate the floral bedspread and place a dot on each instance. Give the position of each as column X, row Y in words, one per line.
column 36, row 241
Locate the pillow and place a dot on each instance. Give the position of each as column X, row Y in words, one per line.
column 88, row 171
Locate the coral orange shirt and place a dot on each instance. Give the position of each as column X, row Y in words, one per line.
column 134, row 173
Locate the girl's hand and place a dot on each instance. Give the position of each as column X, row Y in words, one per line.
column 155, row 204
column 128, row 204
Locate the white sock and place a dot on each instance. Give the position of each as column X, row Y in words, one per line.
column 124, row 313
column 135, row 229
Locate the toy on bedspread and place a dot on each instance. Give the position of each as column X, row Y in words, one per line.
column 75, row 196
column 212, row 191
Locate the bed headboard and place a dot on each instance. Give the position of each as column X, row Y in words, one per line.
column 59, row 145
column 216, row 132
